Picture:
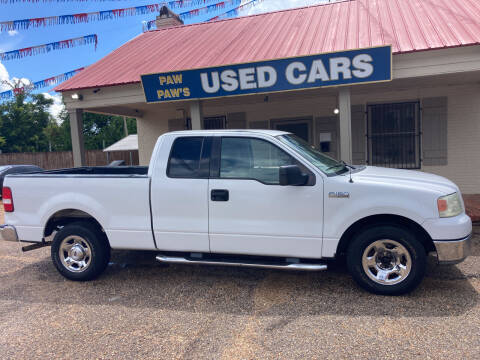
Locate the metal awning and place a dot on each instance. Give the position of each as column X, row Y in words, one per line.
column 128, row 143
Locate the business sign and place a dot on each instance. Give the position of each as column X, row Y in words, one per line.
column 305, row 72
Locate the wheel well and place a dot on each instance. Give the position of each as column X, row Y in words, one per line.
column 66, row 216
column 347, row 236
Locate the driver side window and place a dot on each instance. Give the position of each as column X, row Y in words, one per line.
column 250, row 158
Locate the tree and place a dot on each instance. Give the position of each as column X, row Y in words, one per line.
column 2, row 139
column 22, row 123
column 98, row 130
column 104, row 130
column 27, row 126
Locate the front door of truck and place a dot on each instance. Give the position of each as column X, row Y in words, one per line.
column 250, row 213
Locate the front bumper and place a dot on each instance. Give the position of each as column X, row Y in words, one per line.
column 8, row 233
column 453, row 251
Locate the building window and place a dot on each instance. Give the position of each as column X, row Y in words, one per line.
column 393, row 135
column 214, row 122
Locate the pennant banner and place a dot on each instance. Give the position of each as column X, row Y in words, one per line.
column 42, row 83
column 78, row 18
column 177, row 4
column 150, row 25
column 208, row 9
column 235, row 12
column 46, row 48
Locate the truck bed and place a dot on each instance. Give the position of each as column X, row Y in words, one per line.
column 117, row 197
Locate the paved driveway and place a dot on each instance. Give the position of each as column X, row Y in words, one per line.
column 140, row 309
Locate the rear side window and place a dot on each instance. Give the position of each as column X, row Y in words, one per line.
column 185, row 158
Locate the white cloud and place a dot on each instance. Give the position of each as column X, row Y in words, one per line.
column 21, row 81
column 269, row 5
column 12, row 32
column 4, row 76
column 54, row 110
column 57, row 106
column 6, row 83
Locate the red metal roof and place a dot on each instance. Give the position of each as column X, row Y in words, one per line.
column 407, row 25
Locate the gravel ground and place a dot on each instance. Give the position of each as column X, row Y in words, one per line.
column 139, row 309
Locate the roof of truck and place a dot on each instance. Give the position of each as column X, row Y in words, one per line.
column 230, row 132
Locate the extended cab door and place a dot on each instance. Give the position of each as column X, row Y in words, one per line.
column 250, row 213
column 179, row 194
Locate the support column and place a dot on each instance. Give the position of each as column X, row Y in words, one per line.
column 344, row 105
column 76, row 131
column 196, row 114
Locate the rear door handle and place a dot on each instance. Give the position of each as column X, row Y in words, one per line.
column 219, row 195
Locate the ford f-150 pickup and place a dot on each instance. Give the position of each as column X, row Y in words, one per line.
column 255, row 198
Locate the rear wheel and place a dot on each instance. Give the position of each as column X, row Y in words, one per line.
column 387, row 260
column 80, row 251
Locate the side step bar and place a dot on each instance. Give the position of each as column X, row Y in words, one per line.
column 282, row 266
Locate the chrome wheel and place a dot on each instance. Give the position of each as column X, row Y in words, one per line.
column 386, row 262
column 75, row 253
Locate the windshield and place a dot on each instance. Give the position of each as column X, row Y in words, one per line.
column 321, row 161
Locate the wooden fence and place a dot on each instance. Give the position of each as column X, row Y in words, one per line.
column 64, row 159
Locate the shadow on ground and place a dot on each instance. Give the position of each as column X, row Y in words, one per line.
column 134, row 279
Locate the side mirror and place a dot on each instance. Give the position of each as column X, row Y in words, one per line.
column 292, row 175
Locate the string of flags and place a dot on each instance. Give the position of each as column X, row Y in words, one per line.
column 150, row 25
column 207, row 9
column 42, row 83
column 46, row 48
column 24, row 24
column 78, row 18
column 235, row 11
column 176, row 4
column 200, row 7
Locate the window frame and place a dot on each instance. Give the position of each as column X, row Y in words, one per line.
column 417, row 133
column 222, row 118
column 204, row 160
column 215, row 161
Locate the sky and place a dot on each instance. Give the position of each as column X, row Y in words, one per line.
column 111, row 34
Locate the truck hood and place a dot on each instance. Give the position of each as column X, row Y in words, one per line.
column 412, row 178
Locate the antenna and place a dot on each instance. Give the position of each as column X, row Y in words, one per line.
column 349, row 170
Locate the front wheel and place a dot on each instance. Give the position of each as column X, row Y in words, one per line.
column 387, row 260
column 80, row 251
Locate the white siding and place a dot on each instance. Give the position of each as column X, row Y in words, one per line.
column 463, row 165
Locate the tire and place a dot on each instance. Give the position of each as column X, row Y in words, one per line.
column 80, row 251
column 387, row 260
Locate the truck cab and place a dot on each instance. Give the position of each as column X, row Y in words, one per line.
column 260, row 198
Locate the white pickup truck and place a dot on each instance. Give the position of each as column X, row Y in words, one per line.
column 245, row 198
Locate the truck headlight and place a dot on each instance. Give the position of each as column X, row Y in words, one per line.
column 449, row 205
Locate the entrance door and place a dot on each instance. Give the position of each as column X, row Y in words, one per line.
column 300, row 127
column 250, row 213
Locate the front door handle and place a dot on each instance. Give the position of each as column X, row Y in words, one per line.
column 219, row 195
